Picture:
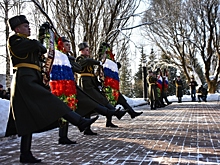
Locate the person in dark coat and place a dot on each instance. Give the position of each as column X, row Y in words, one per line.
column 1, row 91
column 88, row 80
column 179, row 88
column 202, row 94
column 152, row 80
column 193, row 84
column 85, row 104
column 33, row 107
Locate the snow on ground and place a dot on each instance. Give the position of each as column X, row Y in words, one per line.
column 4, row 113
column 4, row 107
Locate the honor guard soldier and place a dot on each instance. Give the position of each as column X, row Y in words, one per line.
column 86, row 105
column 33, row 106
column 152, row 79
column 179, row 89
column 89, row 82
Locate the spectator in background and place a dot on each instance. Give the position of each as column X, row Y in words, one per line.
column 1, row 90
column 179, row 88
column 8, row 93
column 202, row 93
column 4, row 96
column 193, row 85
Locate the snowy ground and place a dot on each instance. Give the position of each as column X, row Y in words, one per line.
column 4, row 108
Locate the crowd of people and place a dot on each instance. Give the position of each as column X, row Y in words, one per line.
column 158, row 88
column 202, row 92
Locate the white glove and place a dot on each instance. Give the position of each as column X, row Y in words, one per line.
column 100, row 63
column 100, row 88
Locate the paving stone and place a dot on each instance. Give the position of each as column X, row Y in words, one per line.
column 186, row 133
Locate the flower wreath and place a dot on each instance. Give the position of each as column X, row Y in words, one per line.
column 111, row 81
column 62, row 80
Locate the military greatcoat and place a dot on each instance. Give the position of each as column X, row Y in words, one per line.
column 86, row 104
column 33, row 106
column 179, row 88
column 88, row 81
column 152, row 87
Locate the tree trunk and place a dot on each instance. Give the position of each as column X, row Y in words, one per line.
column 212, row 86
column 8, row 76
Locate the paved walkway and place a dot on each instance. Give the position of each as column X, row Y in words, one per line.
column 186, row 133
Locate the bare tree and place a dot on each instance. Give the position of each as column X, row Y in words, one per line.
column 92, row 21
column 171, row 33
column 7, row 6
column 107, row 22
column 205, row 21
column 189, row 31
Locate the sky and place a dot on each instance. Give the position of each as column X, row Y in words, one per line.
column 4, row 108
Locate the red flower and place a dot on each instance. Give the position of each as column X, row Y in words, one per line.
column 111, row 82
column 66, row 91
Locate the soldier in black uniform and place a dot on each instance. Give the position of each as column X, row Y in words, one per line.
column 179, row 89
column 33, row 106
column 152, row 80
column 88, row 81
column 85, row 105
column 122, row 101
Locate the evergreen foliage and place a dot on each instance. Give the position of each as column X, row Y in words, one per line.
column 138, row 78
column 125, row 77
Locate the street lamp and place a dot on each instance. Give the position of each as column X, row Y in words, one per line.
column 144, row 79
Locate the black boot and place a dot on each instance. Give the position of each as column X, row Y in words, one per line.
column 25, row 148
column 63, row 131
column 158, row 104
column 131, row 112
column 167, row 101
column 88, row 131
column 105, row 111
column 119, row 114
column 109, row 123
column 79, row 121
column 153, row 105
column 134, row 114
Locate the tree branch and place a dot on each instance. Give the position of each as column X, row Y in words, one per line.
column 46, row 15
